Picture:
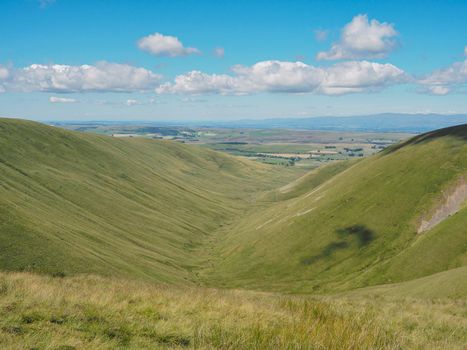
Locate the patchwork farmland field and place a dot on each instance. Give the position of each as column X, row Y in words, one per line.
column 301, row 148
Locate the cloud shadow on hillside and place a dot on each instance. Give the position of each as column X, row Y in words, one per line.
column 362, row 234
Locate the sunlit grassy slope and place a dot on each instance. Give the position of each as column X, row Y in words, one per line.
column 90, row 312
column 163, row 211
column 143, row 211
column 72, row 202
column 447, row 284
column 353, row 229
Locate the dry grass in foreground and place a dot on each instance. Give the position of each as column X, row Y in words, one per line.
column 89, row 312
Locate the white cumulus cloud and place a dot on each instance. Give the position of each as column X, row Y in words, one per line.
column 443, row 81
column 55, row 99
column 131, row 102
column 102, row 77
column 219, row 52
column 289, row 77
column 4, row 75
column 165, row 45
column 438, row 89
column 197, row 82
column 362, row 38
column 361, row 76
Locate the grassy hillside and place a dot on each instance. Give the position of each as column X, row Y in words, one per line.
column 89, row 312
column 353, row 229
column 140, row 211
column 447, row 284
column 73, row 202
column 164, row 211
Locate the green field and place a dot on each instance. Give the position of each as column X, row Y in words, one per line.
column 283, row 147
column 111, row 242
column 287, row 147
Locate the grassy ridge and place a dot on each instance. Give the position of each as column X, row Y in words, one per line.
column 308, row 182
column 89, row 312
column 356, row 228
column 447, row 284
column 72, row 202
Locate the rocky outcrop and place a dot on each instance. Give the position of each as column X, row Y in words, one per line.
column 450, row 204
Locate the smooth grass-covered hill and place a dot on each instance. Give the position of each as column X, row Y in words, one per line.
column 353, row 225
column 81, row 203
column 139, row 212
column 162, row 211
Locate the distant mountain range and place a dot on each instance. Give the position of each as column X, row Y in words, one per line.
column 386, row 122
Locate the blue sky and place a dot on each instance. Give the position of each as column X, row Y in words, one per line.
column 177, row 60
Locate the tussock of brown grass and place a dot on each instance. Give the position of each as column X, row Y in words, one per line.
column 89, row 312
column 93, row 312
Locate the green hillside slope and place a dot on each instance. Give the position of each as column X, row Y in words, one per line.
column 142, row 211
column 73, row 202
column 356, row 228
column 447, row 284
column 163, row 211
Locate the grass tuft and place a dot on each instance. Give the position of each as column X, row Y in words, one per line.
column 88, row 312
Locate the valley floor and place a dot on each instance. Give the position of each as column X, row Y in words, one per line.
column 90, row 312
column 161, row 223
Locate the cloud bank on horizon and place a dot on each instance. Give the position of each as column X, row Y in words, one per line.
column 361, row 38
column 101, row 77
column 352, row 57
column 290, row 77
